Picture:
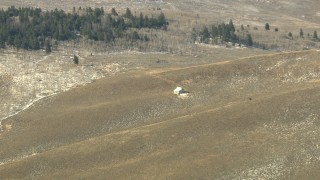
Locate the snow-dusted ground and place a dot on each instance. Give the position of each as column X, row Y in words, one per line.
column 27, row 77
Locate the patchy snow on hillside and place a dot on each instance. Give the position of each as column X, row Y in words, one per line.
column 26, row 78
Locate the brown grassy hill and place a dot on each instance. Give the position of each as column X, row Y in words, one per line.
column 255, row 117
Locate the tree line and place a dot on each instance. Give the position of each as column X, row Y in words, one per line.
column 222, row 32
column 33, row 29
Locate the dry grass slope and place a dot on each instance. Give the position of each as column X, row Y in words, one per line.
column 253, row 118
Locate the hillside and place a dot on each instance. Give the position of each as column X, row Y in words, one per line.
column 249, row 118
column 252, row 111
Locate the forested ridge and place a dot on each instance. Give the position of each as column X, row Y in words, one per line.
column 33, row 28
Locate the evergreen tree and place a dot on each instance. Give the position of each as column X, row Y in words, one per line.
column 232, row 28
column 267, row 26
column 249, row 40
column 47, row 46
column 17, row 41
column 147, row 22
column 205, row 33
column 128, row 14
column 141, row 20
column 2, row 42
column 214, row 31
column 194, row 34
column 161, row 20
column 135, row 36
column 114, row 12
column 75, row 59
column 34, row 43
column 315, row 35
column 301, row 33
column 225, row 32
column 74, row 10
column 102, row 11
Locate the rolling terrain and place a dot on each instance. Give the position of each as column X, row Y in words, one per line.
column 250, row 113
column 255, row 117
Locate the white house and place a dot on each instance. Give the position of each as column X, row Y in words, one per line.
column 178, row 91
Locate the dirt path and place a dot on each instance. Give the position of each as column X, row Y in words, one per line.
column 159, row 71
